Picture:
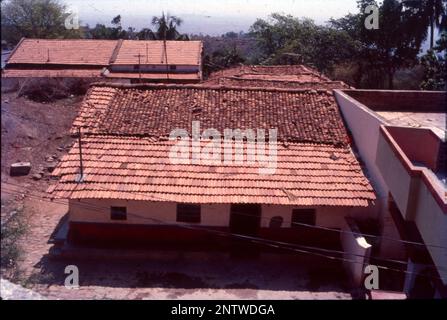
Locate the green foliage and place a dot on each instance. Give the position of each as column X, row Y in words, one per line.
column 11, row 232
column 435, row 66
column 167, row 28
column 284, row 39
column 35, row 19
column 395, row 45
column 221, row 59
column 101, row 31
column 430, row 14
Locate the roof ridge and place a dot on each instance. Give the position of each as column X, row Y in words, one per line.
column 238, row 78
column 116, row 51
column 200, row 86
column 68, row 39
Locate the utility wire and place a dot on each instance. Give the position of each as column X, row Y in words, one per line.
column 290, row 222
column 271, row 243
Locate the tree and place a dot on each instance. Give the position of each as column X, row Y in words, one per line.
column 431, row 12
column 435, row 65
column 101, row 31
column 221, row 59
column 145, row 34
column 35, row 19
column 167, row 28
column 284, row 39
column 394, row 45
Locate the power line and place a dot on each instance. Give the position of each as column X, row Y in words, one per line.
column 271, row 243
column 295, row 223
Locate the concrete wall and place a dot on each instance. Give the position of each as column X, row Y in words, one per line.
column 416, row 201
column 145, row 212
column 432, row 224
column 410, row 141
column 396, row 177
column 401, row 100
column 364, row 125
column 155, row 68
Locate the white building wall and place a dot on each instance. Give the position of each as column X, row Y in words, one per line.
column 432, row 224
column 364, row 125
column 365, row 128
column 145, row 212
column 155, row 68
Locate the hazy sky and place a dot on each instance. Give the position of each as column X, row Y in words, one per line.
column 207, row 16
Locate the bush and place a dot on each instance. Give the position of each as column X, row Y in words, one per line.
column 51, row 89
column 11, row 231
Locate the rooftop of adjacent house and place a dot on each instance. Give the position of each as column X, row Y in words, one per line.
column 154, row 110
column 436, row 121
column 302, row 82
column 264, row 69
column 153, row 52
column 104, row 52
column 62, row 51
column 86, row 58
column 126, row 148
column 414, row 109
column 416, row 120
column 277, row 76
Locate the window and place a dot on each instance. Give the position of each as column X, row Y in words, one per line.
column 172, row 67
column 188, row 213
column 276, row 222
column 136, row 67
column 303, row 216
column 118, row 213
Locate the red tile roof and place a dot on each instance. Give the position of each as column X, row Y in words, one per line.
column 194, row 77
column 126, row 147
column 153, row 52
column 154, row 110
column 136, row 168
column 263, row 83
column 63, row 51
column 277, row 72
column 52, row 73
column 74, row 57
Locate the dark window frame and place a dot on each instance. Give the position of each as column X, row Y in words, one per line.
column 303, row 216
column 172, row 67
column 189, row 213
column 118, row 213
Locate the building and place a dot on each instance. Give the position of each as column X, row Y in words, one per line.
column 132, row 190
column 278, row 76
column 401, row 137
column 125, row 60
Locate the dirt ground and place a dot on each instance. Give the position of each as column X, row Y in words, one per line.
column 38, row 132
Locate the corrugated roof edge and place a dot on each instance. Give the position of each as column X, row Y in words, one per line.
column 146, row 86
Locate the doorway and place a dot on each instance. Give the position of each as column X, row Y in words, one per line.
column 245, row 219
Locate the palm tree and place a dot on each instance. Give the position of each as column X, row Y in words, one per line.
column 167, row 27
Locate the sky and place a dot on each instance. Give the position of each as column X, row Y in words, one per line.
column 207, row 16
